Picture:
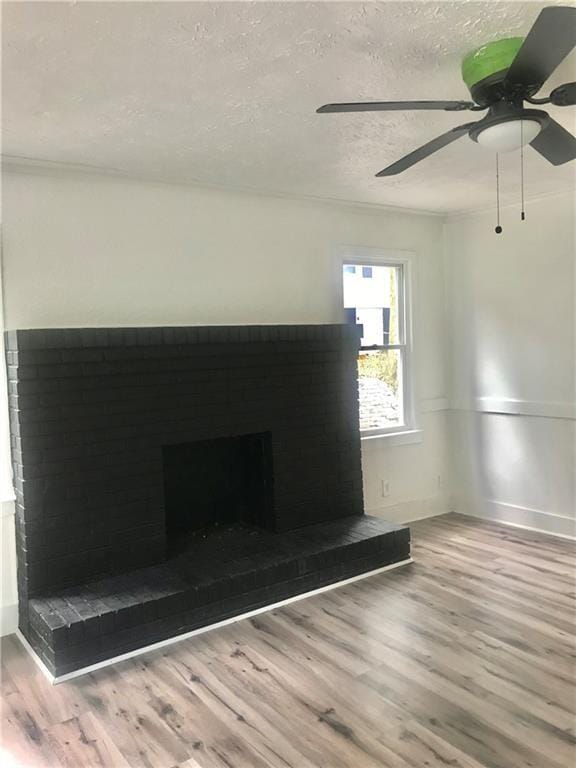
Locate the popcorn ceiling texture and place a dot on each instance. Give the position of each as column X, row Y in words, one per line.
column 225, row 94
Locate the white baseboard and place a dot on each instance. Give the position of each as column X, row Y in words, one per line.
column 8, row 619
column 9, row 589
column 178, row 638
column 520, row 517
column 410, row 511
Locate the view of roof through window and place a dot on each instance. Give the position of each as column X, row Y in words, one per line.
column 371, row 301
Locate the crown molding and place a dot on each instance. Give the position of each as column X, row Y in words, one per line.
column 56, row 169
column 13, row 164
column 568, row 191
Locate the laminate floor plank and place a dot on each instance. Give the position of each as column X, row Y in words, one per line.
column 410, row 744
column 466, row 659
column 279, row 680
column 82, row 742
column 433, row 647
column 462, row 685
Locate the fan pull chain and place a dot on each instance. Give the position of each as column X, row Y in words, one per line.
column 498, row 229
column 522, row 212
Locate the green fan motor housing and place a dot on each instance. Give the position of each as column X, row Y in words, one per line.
column 484, row 68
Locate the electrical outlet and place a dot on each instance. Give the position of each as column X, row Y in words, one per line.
column 385, row 488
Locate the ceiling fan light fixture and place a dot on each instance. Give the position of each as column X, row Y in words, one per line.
column 501, row 76
column 509, row 135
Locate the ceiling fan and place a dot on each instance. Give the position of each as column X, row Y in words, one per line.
column 501, row 76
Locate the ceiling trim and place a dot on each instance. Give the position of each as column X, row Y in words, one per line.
column 527, row 199
column 40, row 167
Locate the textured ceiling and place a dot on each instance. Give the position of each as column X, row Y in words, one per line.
column 225, row 93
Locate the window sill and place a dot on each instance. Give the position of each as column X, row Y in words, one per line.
column 407, row 437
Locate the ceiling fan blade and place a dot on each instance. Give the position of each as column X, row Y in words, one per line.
column 550, row 40
column 393, row 106
column 427, row 149
column 555, row 144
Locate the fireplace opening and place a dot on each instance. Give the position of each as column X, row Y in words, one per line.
column 214, row 485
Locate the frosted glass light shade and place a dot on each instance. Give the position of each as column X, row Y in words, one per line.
column 510, row 135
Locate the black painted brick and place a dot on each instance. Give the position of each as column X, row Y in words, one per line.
column 58, row 430
column 113, row 616
column 91, row 408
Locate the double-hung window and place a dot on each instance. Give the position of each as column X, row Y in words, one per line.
column 376, row 292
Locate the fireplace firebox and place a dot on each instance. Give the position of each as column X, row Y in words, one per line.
column 209, row 484
column 169, row 478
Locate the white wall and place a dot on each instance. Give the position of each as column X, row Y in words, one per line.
column 94, row 251
column 8, row 586
column 511, row 316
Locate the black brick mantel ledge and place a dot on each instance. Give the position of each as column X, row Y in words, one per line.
column 74, row 338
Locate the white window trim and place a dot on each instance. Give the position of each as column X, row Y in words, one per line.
column 410, row 431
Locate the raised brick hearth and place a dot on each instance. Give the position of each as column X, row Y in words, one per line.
column 105, row 423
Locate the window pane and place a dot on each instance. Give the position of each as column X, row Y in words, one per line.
column 373, row 303
column 380, row 389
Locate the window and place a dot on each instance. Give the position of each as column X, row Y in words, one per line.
column 379, row 306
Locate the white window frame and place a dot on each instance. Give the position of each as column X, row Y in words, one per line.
column 360, row 255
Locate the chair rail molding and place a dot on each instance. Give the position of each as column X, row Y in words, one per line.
column 517, row 407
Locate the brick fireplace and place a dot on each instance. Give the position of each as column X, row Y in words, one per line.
column 167, row 478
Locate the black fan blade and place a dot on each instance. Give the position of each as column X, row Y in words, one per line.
column 393, row 106
column 555, row 144
column 428, row 149
column 548, row 43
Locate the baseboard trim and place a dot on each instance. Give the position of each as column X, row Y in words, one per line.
column 522, row 517
column 8, row 619
column 391, row 516
column 55, row 679
column 411, row 511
